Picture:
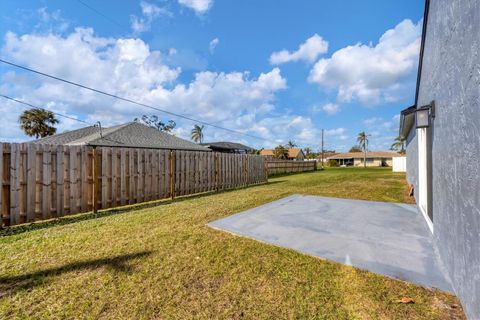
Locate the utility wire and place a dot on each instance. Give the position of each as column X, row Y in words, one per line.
column 101, row 14
column 56, row 113
column 130, row 100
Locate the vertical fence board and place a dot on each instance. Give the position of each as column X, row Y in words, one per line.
column 15, row 184
column 104, row 156
column 85, row 179
column 47, row 176
column 114, row 177
column 60, row 182
column 73, row 180
column 123, row 183
column 31, row 164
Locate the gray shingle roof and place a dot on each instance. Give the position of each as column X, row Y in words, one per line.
column 130, row 135
column 227, row 145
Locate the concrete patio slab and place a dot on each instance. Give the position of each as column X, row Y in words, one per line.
column 386, row 238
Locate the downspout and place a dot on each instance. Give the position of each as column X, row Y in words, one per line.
column 422, row 49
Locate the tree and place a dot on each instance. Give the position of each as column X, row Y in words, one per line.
column 153, row 122
column 38, row 122
column 307, row 151
column 355, row 149
column 362, row 140
column 197, row 133
column 399, row 145
column 291, row 144
column 280, row 152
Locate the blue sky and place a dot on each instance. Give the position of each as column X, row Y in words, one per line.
column 279, row 70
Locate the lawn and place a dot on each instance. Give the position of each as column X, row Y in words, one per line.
column 162, row 261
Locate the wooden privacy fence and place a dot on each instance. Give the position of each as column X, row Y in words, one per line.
column 289, row 166
column 40, row 182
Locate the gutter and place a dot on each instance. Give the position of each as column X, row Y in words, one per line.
column 405, row 127
column 422, row 49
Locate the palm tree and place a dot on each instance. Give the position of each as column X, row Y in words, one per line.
column 280, row 152
column 362, row 140
column 197, row 133
column 291, row 144
column 38, row 123
column 307, row 151
column 399, row 144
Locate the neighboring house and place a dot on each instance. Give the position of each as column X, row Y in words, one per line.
column 443, row 141
column 228, row 147
column 128, row 135
column 293, row 154
column 374, row 159
column 326, row 155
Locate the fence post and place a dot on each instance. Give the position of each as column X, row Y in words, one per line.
column 265, row 169
column 95, row 181
column 172, row 174
column 217, row 169
column 245, row 164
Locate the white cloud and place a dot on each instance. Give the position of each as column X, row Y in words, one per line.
column 129, row 68
column 308, row 51
column 331, row 108
column 213, row 44
column 199, row 6
column 335, row 132
column 51, row 20
column 372, row 74
column 150, row 12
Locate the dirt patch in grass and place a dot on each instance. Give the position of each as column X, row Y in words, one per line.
column 164, row 262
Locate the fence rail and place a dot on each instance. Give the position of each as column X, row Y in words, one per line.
column 40, row 182
column 289, row 166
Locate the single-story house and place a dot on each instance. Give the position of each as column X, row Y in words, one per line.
column 228, row 147
column 326, row 155
column 128, row 135
column 442, row 129
column 293, row 154
column 373, row 159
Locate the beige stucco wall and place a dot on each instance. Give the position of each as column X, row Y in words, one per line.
column 375, row 162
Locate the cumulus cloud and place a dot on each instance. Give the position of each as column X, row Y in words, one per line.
column 150, row 12
column 308, row 51
column 130, row 68
column 335, row 132
column 331, row 108
column 372, row 74
column 199, row 6
column 213, row 44
column 299, row 128
column 51, row 20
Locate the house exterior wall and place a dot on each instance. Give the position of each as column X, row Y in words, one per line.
column 412, row 160
column 300, row 156
column 372, row 162
column 451, row 77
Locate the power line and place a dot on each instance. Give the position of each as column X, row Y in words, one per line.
column 55, row 113
column 130, row 100
column 101, row 14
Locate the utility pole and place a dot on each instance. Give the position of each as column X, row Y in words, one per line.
column 322, row 150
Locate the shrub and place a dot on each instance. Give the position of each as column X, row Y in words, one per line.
column 332, row 163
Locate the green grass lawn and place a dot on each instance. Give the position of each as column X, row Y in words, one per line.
column 164, row 262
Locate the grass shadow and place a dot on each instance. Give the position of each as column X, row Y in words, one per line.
column 19, row 229
column 12, row 284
